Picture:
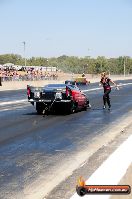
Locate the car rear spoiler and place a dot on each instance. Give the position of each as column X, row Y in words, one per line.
column 34, row 88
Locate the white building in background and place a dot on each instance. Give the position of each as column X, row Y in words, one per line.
column 18, row 67
column 8, row 65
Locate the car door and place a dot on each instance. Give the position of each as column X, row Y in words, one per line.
column 77, row 97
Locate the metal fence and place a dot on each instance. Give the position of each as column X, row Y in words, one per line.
column 29, row 78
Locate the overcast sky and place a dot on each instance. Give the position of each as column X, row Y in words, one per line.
column 71, row 27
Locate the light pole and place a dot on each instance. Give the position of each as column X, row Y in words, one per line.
column 47, row 62
column 24, row 44
column 88, row 59
column 124, row 67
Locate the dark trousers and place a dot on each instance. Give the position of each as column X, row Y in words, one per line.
column 106, row 97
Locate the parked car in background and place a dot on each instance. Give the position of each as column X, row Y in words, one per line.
column 81, row 81
column 78, row 81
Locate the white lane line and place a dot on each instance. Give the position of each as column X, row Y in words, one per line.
column 13, row 102
column 112, row 170
column 94, row 89
column 13, row 108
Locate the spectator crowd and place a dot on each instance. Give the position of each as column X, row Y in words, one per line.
column 26, row 74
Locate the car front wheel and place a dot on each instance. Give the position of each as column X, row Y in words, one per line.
column 71, row 108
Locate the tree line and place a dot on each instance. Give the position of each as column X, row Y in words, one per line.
column 75, row 64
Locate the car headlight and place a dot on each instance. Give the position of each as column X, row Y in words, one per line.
column 58, row 95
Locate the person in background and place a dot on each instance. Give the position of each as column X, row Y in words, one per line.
column 83, row 75
column 105, row 82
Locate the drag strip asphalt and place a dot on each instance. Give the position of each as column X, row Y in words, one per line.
column 37, row 151
column 19, row 96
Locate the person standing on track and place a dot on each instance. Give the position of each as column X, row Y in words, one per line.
column 105, row 82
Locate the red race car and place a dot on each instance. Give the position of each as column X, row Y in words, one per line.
column 53, row 97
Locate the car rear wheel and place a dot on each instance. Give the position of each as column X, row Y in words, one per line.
column 39, row 111
column 39, row 108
